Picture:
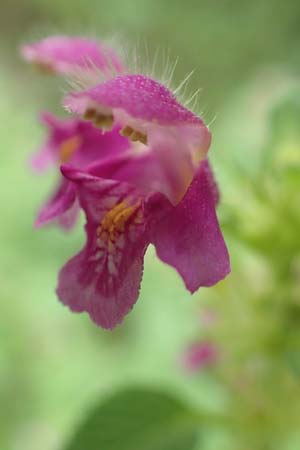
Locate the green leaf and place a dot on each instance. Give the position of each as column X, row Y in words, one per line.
column 137, row 419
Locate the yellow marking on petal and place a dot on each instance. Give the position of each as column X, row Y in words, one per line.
column 114, row 221
column 68, row 148
column 134, row 135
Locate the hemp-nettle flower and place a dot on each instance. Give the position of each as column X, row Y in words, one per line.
column 143, row 178
column 124, row 214
column 65, row 55
column 200, row 355
column 76, row 142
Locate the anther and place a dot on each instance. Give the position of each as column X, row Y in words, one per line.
column 126, row 131
column 138, row 136
column 89, row 114
column 134, row 135
column 103, row 121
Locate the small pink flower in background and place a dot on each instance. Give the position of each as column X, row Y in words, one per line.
column 208, row 317
column 136, row 162
column 64, row 55
column 199, row 356
column 76, row 142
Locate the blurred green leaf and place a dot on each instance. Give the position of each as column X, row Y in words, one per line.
column 137, row 419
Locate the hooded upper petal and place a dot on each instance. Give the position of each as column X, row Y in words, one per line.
column 104, row 278
column 152, row 119
column 189, row 238
column 139, row 96
column 65, row 55
column 148, row 112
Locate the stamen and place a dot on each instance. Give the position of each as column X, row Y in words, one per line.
column 103, row 121
column 134, row 135
column 89, row 114
column 100, row 120
column 126, row 131
column 114, row 221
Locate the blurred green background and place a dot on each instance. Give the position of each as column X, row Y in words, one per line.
column 54, row 364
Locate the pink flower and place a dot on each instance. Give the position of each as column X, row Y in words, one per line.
column 208, row 318
column 65, row 55
column 76, row 142
column 199, row 356
column 125, row 211
column 143, row 178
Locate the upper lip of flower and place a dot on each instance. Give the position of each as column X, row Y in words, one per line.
column 147, row 113
column 138, row 102
column 141, row 97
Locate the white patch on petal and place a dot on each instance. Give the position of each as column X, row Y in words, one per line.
column 111, row 265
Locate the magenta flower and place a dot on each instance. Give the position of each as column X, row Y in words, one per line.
column 142, row 178
column 160, row 191
column 76, row 142
column 65, row 55
column 200, row 355
column 124, row 214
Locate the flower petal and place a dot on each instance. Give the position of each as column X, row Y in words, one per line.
column 189, row 237
column 65, row 54
column 104, row 278
column 76, row 142
column 140, row 96
column 62, row 206
column 144, row 171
